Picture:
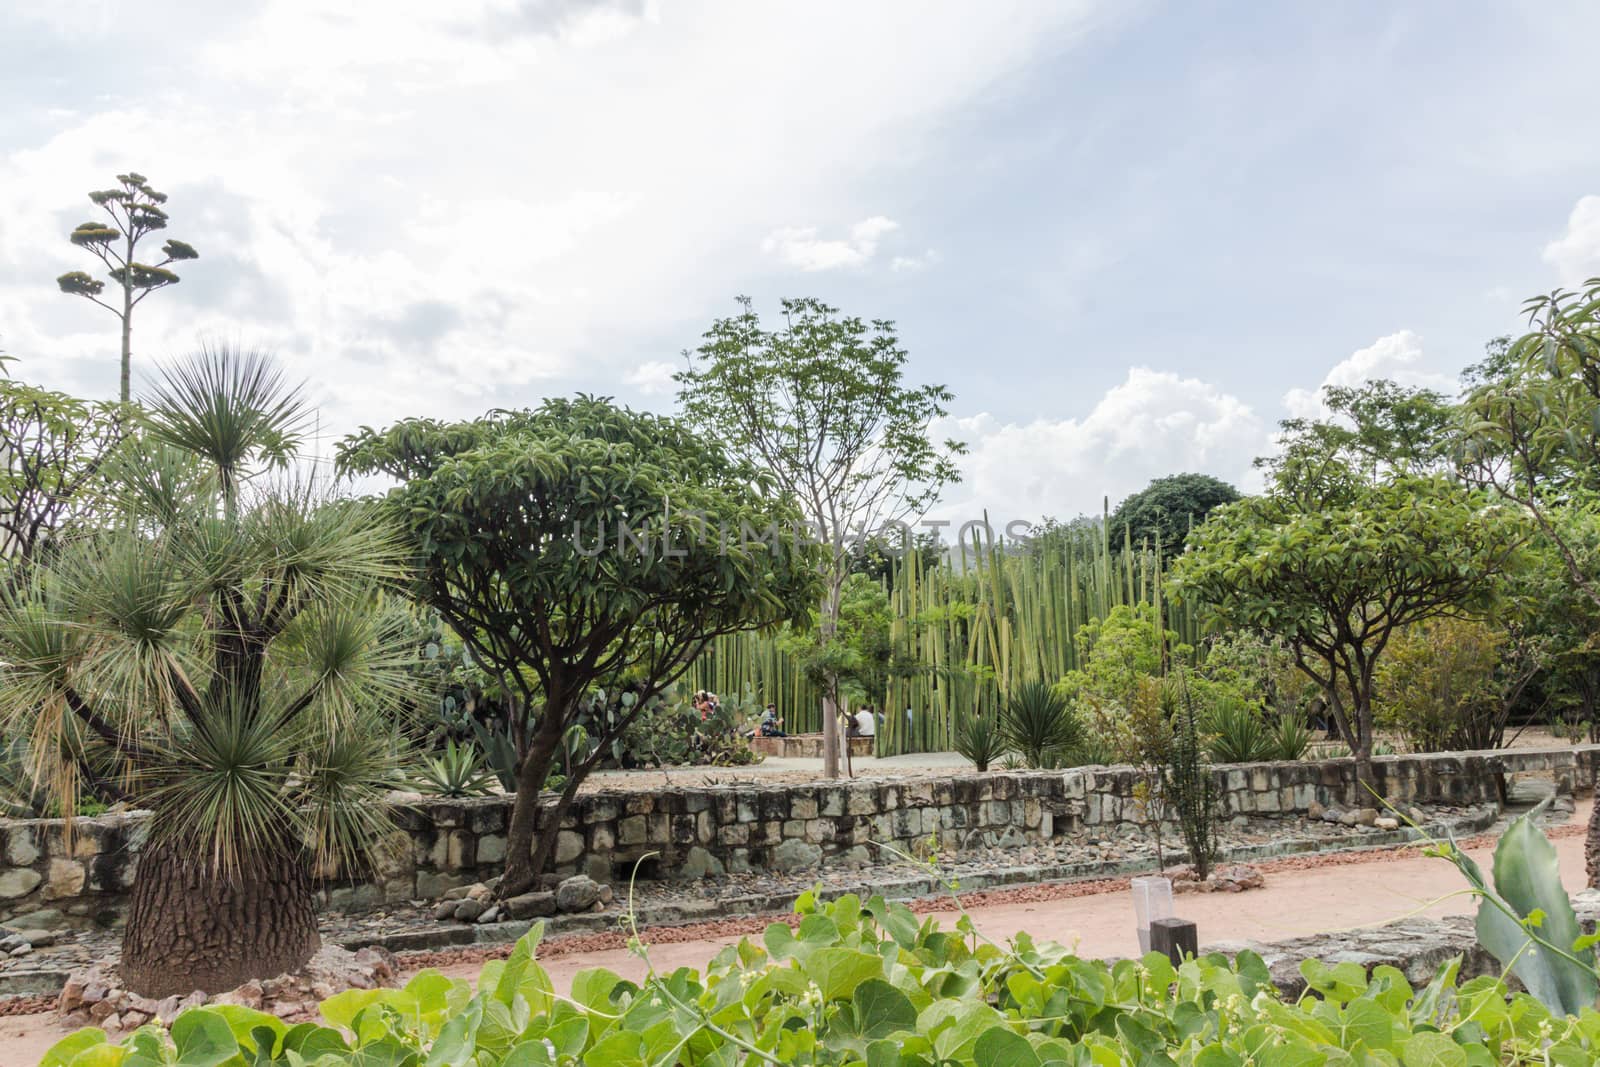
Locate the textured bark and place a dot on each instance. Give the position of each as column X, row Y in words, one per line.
column 188, row 928
column 1591, row 845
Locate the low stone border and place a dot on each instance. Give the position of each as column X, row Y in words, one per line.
column 903, row 888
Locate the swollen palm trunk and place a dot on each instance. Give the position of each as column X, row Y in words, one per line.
column 189, row 928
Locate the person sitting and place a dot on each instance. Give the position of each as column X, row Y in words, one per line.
column 771, row 722
column 866, row 723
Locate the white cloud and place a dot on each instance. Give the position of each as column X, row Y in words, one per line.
column 1397, row 356
column 1151, row 424
column 434, row 208
column 1576, row 254
column 653, row 378
column 801, row 247
column 912, row 264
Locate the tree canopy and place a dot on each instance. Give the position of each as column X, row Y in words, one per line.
column 1336, row 565
column 582, row 544
column 821, row 404
column 1165, row 510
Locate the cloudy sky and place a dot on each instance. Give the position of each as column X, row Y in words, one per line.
column 1129, row 236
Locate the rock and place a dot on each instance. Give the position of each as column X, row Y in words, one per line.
column 530, row 905
column 445, row 909
column 606, row 895
column 21, row 950
column 66, row 879
column 133, row 1019
column 1349, row 818
column 697, row 864
column 71, row 998
column 100, row 1009
column 1564, row 804
column 1384, row 822
column 1315, row 810
column 469, row 909
column 1367, row 816
column 578, row 893
column 458, row 893
column 490, row 914
column 1239, row 822
column 795, row 855
column 112, row 1021
column 167, row 1010
column 479, row 892
column 40, row 938
column 19, row 882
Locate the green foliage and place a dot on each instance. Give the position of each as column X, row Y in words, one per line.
column 458, row 771
column 979, row 738
column 53, row 448
column 1040, row 724
column 1238, row 734
column 1191, row 788
column 221, row 649
column 579, row 546
column 1336, row 565
column 1290, row 737
column 859, row 659
column 1525, row 918
column 821, row 405
column 1165, row 510
column 870, row 984
column 1437, row 685
column 135, row 211
column 1378, row 428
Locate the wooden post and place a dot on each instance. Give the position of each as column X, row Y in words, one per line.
column 1178, row 938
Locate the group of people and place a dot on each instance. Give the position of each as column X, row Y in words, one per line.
column 863, row 723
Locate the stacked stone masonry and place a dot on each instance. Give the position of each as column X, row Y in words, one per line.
column 83, row 876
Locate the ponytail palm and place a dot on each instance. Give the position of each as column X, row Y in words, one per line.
column 223, row 649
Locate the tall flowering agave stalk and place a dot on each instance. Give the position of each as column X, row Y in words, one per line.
column 218, row 645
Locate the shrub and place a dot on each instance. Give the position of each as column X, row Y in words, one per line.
column 979, row 738
column 1436, row 684
column 1289, row 738
column 457, row 772
column 871, row 983
column 1238, row 734
column 1191, row 789
column 1040, row 725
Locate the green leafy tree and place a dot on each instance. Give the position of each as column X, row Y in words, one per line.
column 1164, row 511
column 52, row 449
column 1437, row 683
column 583, row 545
column 1336, row 566
column 135, row 211
column 821, row 403
column 223, row 649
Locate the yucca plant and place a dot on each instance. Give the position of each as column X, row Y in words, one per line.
column 221, row 636
column 459, row 771
column 1237, row 733
column 1288, row 738
column 979, row 738
column 1039, row 724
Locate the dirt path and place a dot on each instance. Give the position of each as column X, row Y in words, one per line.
column 1340, row 892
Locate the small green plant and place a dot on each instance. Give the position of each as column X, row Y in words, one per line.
column 457, row 772
column 1191, row 789
column 979, row 738
column 1237, row 733
column 1525, row 918
column 1288, row 738
column 1040, row 725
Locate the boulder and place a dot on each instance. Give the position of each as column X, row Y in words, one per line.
column 795, row 855
column 529, row 905
column 578, row 893
column 468, row 910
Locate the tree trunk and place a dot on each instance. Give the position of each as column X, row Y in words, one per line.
column 1591, row 845
column 828, row 625
column 126, row 390
column 190, row 928
column 522, row 873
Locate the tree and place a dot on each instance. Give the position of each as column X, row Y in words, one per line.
column 1438, row 684
column 224, row 649
column 1166, row 509
column 821, row 404
column 52, row 448
column 583, row 545
column 1337, row 566
column 135, row 212
column 1378, row 428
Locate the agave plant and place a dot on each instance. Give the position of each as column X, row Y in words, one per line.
column 1237, row 733
column 220, row 636
column 458, row 772
column 1040, row 724
column 980, row 739
column 1288, row 738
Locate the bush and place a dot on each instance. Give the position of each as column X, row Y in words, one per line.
column 1040, row 725
column 1238, row 734
column 871, row 983
column 979, row 738
column 1191, row 789
column 1437, row 685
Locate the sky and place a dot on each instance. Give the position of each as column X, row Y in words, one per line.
column 1129, row 236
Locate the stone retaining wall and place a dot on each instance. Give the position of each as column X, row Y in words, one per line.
column 805, row 746
column 441, row 844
